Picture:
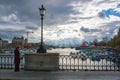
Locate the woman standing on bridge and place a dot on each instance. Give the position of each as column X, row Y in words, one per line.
column 16, row 59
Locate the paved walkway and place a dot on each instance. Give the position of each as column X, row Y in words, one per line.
column 63, row 75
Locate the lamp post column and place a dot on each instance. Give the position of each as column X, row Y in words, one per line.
column 41, row 31
column 41, row 47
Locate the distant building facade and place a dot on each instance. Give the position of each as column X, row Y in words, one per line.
column 19, row 42
column 3, row 43
column 0, row 43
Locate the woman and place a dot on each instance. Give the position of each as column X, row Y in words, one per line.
column 16, row 59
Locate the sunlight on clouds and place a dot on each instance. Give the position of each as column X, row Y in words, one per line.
column 84, row 15
column 62, row 32
column 114, row 18
column 65, row 20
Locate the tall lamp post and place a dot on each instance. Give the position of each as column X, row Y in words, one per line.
column 41, row 47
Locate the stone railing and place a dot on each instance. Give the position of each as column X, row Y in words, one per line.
column 63, row 62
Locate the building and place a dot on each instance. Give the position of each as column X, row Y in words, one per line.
column 3, row 43
column 84, row 45
column 19, row 42
column 0, row 43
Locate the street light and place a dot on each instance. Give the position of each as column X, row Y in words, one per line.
column 41, row 47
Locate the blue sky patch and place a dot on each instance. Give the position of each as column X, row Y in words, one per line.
column 112, row 11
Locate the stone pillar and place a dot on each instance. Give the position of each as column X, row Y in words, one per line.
column 43, row 62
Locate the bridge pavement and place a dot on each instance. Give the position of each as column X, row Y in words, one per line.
column 59, row 75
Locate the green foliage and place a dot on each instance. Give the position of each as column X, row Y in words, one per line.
column 115, row 41
column 1, row 51
column 119, row 32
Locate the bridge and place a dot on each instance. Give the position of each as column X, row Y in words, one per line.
column 72, row 63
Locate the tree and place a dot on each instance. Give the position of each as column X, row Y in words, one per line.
column 115, row 41
column 95, row 42
column 119, row 32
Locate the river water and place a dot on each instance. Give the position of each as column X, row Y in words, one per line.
column 65, row 51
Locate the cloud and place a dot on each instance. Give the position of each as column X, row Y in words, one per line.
column 31, row 28
column 89, row 30
column 101, row 15
column 112, row 11
column 8, row 34
column 110, row 28
column 64, row 19
column 29, row 10
column 106, row 1
column 85, row 29
column 10, row 18
column 118, row 6
column 67, row 42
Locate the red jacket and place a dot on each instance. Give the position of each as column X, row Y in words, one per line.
column 16, row 56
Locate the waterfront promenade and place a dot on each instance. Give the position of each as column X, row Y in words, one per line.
column 6, row 74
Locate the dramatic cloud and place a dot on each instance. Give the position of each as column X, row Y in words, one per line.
column 31, row 28
column 65, row 22
column 101, row 15
column 89, row 30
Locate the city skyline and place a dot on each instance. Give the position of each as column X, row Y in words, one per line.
column 65, row 22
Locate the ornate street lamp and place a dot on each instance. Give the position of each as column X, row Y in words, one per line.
column 41, row 47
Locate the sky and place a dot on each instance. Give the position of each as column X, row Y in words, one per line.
column 66, row 22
